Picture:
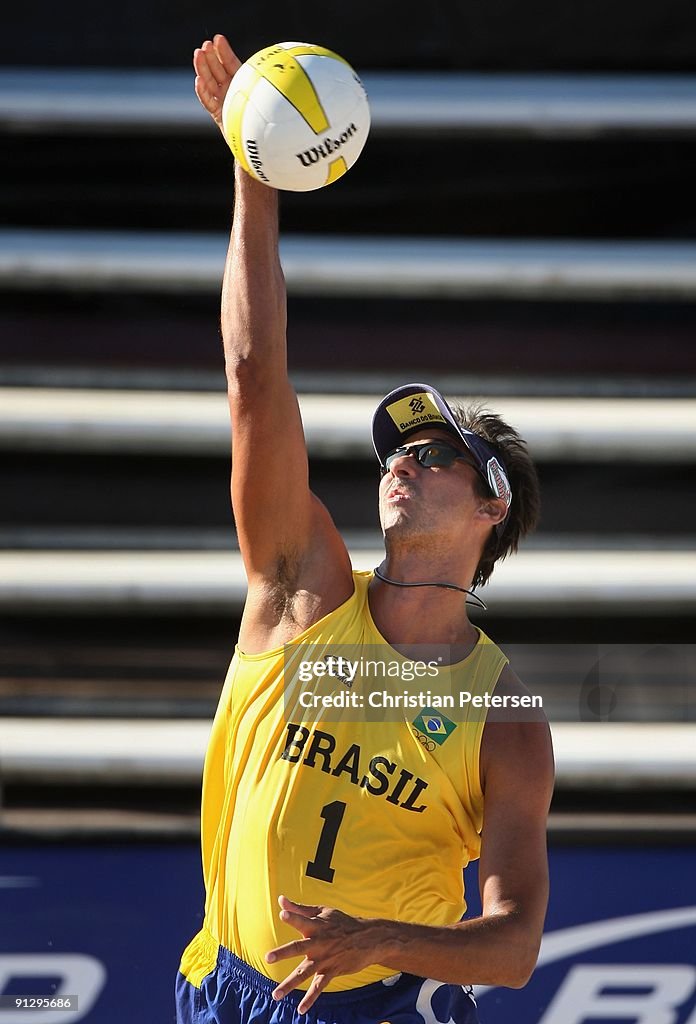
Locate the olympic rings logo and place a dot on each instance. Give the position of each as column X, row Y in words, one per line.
column 428, row 744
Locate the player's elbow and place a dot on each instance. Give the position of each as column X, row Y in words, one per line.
column 244, row 371
column 520, row 976
column 520, row 966
column 256, row 375
column 517, row 951
column 514, row 973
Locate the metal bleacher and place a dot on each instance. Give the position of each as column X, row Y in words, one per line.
column 418, row 103
column 67, row 101
column 384, row 267
column 105, row 573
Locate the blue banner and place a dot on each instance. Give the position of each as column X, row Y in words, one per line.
column 107, row 923
column 619, row 943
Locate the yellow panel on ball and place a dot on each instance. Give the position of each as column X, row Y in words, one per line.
column 233, row 127
column 336, row 169
column 278, row 66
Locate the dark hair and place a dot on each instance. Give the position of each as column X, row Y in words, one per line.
column 524, row 482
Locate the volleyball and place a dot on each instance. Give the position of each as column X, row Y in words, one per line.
column 296, row 116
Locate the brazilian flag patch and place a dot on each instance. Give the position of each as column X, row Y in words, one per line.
column 435, row 725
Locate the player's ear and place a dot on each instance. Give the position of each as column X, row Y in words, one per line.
column 493, row 510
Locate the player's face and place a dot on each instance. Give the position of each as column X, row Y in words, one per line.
column 428, row 499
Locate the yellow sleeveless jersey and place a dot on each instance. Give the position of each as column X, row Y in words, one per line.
column 375, row 818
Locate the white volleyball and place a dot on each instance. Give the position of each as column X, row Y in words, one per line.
column 296, row 116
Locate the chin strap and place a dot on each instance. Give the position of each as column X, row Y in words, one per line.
column 475, row 599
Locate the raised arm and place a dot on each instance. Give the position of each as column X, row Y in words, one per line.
column 296, row 563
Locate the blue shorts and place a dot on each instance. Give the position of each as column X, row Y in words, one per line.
column 235, row 993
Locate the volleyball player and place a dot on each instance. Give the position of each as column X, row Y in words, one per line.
column 334, row 847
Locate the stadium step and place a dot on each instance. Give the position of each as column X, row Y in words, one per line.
column 336, row 426
column 171, row 753
column 70, row 99
column 359, row 267
column 554, row 583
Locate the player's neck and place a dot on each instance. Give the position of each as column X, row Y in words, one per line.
column 422, row 615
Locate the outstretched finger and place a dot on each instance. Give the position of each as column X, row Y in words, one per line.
column 319, row 983
column 226, row 55
column 212, row 63
column 306, row 910
column 298, row 947
column 208, row 99
column 306, row 924
column 202, row 68
column 299, row 975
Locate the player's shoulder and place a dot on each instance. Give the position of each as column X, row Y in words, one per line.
column 511, row 686
column 516, row 738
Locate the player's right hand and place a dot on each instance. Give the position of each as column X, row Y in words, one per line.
column 215, row 63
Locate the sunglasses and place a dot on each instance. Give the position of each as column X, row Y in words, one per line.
column 431, row 453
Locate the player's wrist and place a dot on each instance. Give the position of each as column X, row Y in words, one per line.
column 383, row 940
column 250, row 186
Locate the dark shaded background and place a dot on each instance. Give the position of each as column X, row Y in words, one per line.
column 483, row 35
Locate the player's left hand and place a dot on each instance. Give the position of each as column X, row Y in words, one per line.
column 332, row 943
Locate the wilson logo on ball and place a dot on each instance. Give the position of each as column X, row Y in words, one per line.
column 255, row 159
column 296, row 116
column 326, row 147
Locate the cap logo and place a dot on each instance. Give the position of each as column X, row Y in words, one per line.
column 499, row 481
column 414, row 411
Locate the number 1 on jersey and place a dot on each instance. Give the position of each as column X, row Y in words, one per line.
column 320, row 867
